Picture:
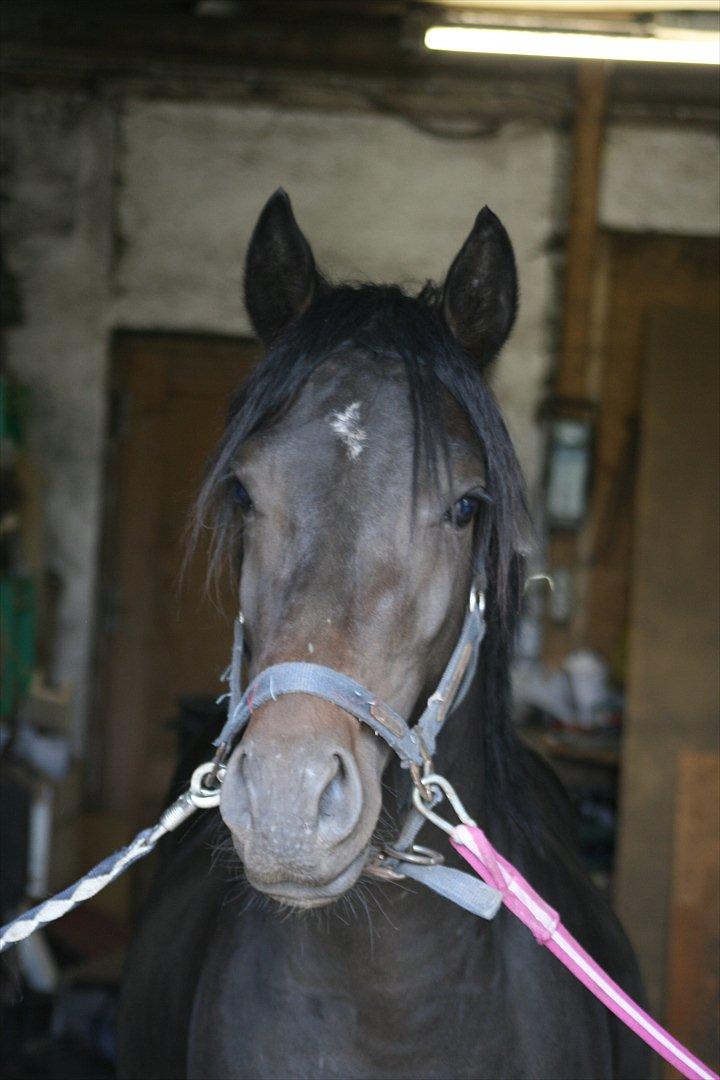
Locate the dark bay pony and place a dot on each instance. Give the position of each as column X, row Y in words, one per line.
column 364, row 474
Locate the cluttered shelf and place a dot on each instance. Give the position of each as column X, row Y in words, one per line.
column 573, row 718
column 601, row 749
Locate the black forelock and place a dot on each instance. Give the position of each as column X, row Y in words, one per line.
column 378, row 321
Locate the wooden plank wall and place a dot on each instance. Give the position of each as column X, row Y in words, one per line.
column 693, row 967
column 672, row 685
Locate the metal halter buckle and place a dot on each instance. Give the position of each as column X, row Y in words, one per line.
column 378, row 868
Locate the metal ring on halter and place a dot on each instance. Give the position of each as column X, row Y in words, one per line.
column 219, row 767
column 418, row 778
column 203, row 795
column 416, row 853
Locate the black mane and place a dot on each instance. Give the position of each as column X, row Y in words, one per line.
column 386, row 322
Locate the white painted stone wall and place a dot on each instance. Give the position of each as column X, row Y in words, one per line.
column 57, row 228
column 377, row 199
column 661, row 180
column 183, row 184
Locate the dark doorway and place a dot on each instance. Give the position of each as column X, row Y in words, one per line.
column 160, row 639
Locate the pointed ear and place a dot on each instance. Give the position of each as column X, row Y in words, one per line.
column 280, row 275
column 480, row 292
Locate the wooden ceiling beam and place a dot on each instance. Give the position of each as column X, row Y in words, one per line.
column 340, row 54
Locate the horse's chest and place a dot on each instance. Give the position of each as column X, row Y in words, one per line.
column 267, row 1007
column 279, row 1015
column 275, row 1033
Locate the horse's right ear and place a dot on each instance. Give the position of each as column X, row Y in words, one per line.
column 280, row 275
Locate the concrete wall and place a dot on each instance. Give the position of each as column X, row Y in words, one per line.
column 178, row 186
column 377, row 199
column 661, row 180
column 57, row 228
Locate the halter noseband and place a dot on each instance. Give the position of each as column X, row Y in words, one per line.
column 414, row 746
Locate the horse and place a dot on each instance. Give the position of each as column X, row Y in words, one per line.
column 364, row 478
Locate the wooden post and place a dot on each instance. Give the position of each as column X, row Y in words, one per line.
column 572, row 379
column 582, row 232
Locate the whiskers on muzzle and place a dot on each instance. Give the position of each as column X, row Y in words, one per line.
column 365, row 899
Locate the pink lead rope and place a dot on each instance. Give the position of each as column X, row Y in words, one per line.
column 474, row 846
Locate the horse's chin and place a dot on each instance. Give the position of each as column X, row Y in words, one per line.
column 303, row 896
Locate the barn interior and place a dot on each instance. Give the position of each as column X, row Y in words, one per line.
column 140, row 142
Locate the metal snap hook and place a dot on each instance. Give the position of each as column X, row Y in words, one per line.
column 433, row 780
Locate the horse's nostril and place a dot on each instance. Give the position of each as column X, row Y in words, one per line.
column 332, row 794
column 236, row 801
column 339, row 804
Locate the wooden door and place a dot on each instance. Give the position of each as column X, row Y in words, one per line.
column 693, row 955
column 160, row 638
column 672, row 687
column 643, row 274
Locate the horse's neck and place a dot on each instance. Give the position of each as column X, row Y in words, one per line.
column 386, row 947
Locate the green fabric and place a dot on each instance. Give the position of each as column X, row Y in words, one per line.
column 14, row 407
column 17, row 640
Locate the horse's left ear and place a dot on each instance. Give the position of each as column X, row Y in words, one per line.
column 480, row 293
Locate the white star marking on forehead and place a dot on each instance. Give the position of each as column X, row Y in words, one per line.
column 346, row 425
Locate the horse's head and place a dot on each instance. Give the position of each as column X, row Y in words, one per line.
column 353, row 479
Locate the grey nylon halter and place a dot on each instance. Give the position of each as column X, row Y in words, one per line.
column 414, row 746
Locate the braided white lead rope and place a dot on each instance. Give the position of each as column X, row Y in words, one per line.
column 196, row 797
column 92, row 882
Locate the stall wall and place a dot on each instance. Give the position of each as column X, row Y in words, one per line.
column 57, row 225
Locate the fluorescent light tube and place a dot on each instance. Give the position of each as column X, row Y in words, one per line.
column 572, row 46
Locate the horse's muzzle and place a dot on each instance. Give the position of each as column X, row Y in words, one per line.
column 301, row 802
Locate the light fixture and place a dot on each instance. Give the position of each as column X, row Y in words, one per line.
column 561, row 44
column 570, row 433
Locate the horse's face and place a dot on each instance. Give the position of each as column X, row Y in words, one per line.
column 343, row 565
column 349, row 564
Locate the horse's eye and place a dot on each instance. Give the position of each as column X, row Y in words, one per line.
column 464, row 510
column 240, row 495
